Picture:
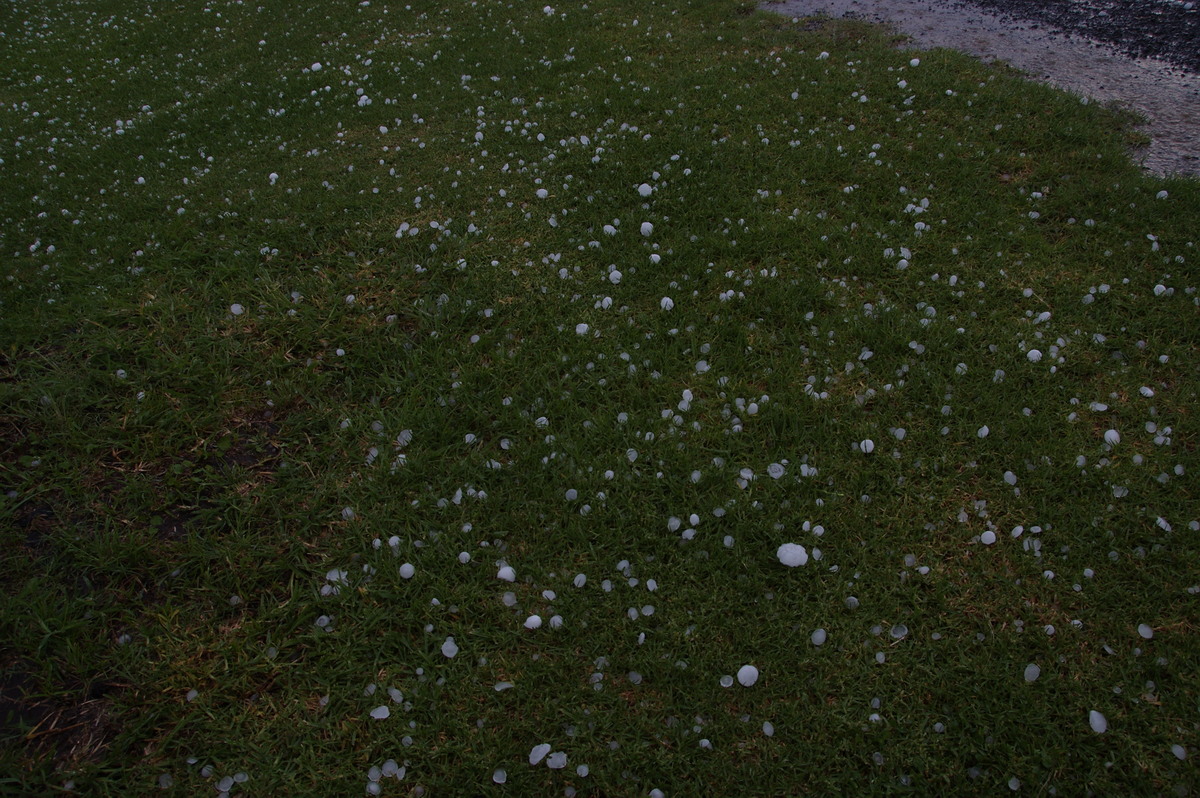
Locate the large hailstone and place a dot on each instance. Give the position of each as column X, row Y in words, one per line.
column 792, row 554
column 747, row 675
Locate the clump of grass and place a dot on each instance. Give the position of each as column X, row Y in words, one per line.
column 421, row 403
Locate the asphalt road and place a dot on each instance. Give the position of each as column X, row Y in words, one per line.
column 1168, row 30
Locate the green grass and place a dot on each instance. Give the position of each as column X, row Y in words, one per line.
column 181, row 482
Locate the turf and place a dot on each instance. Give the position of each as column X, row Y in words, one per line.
column 317, row 319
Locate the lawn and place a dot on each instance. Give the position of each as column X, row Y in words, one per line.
column 613, row 398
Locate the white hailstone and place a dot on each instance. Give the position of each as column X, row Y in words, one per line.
column 915, row 62
column 819, row 637
column 644, row 189
column 900, row 432
column 747, row 675
column 273, row 177
column 381, row 713
column 1010, row 478
column 556, row 621
column 407, row 570
column 1034, row 355
column 1145, row 631
column 533, row 622
column 557, row 760
column 464, row 557
column 1098, row 722
column 1032, row 672
column 548, row 11
column 542, row 193
column 236, row 309
column 1112, row 437
column 615, row 276
column 702, row 366
column 792, row 554
column 582, row 328
column 727, row 681
column 867, row 446
column 666, row 303
column 538, row 753
column 1178, row 750
column 506, row 574
column 775, row 470
column 655, row 257
column 610, row 230
column 449, row 648
column 987, row 538
column 647, row 229
column 768, row 728
column 822, row 55
column 983, row 431
column 1146, row 391
column 580, row 580
column 499, row 776
column 316, row 67
column 1160, row 289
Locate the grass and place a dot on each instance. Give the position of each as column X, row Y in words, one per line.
column 265, row 341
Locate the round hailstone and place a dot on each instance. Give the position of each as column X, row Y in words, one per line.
column 449, row 648
column 236, row 309
column 647, row 229
column 1032, row 672
column 1145, row 631
column 582, row 328
column 1010, row 478
column 1034, row 355
column 819, row 637
column 407, row 570
column 666, row 303
column 542, row 193
column 506, row 573
column 538, row 753
column 747, row 675
column 615, row 276
column 916, row 62
column 1098, row 722
column 727, row 681
column 533, row 622
column 1112, row 437
column 987, row 538
column 768, row 728
column 557, row 760
column 381, row 713
column 1179, row 751
column 644, row 189
column 898, row 632
column 499, row 776
column 867, row 446
column 316, row 67
column 792, row 554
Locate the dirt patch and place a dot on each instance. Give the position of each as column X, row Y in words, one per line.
column 1167, row 95
column 64, row 728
